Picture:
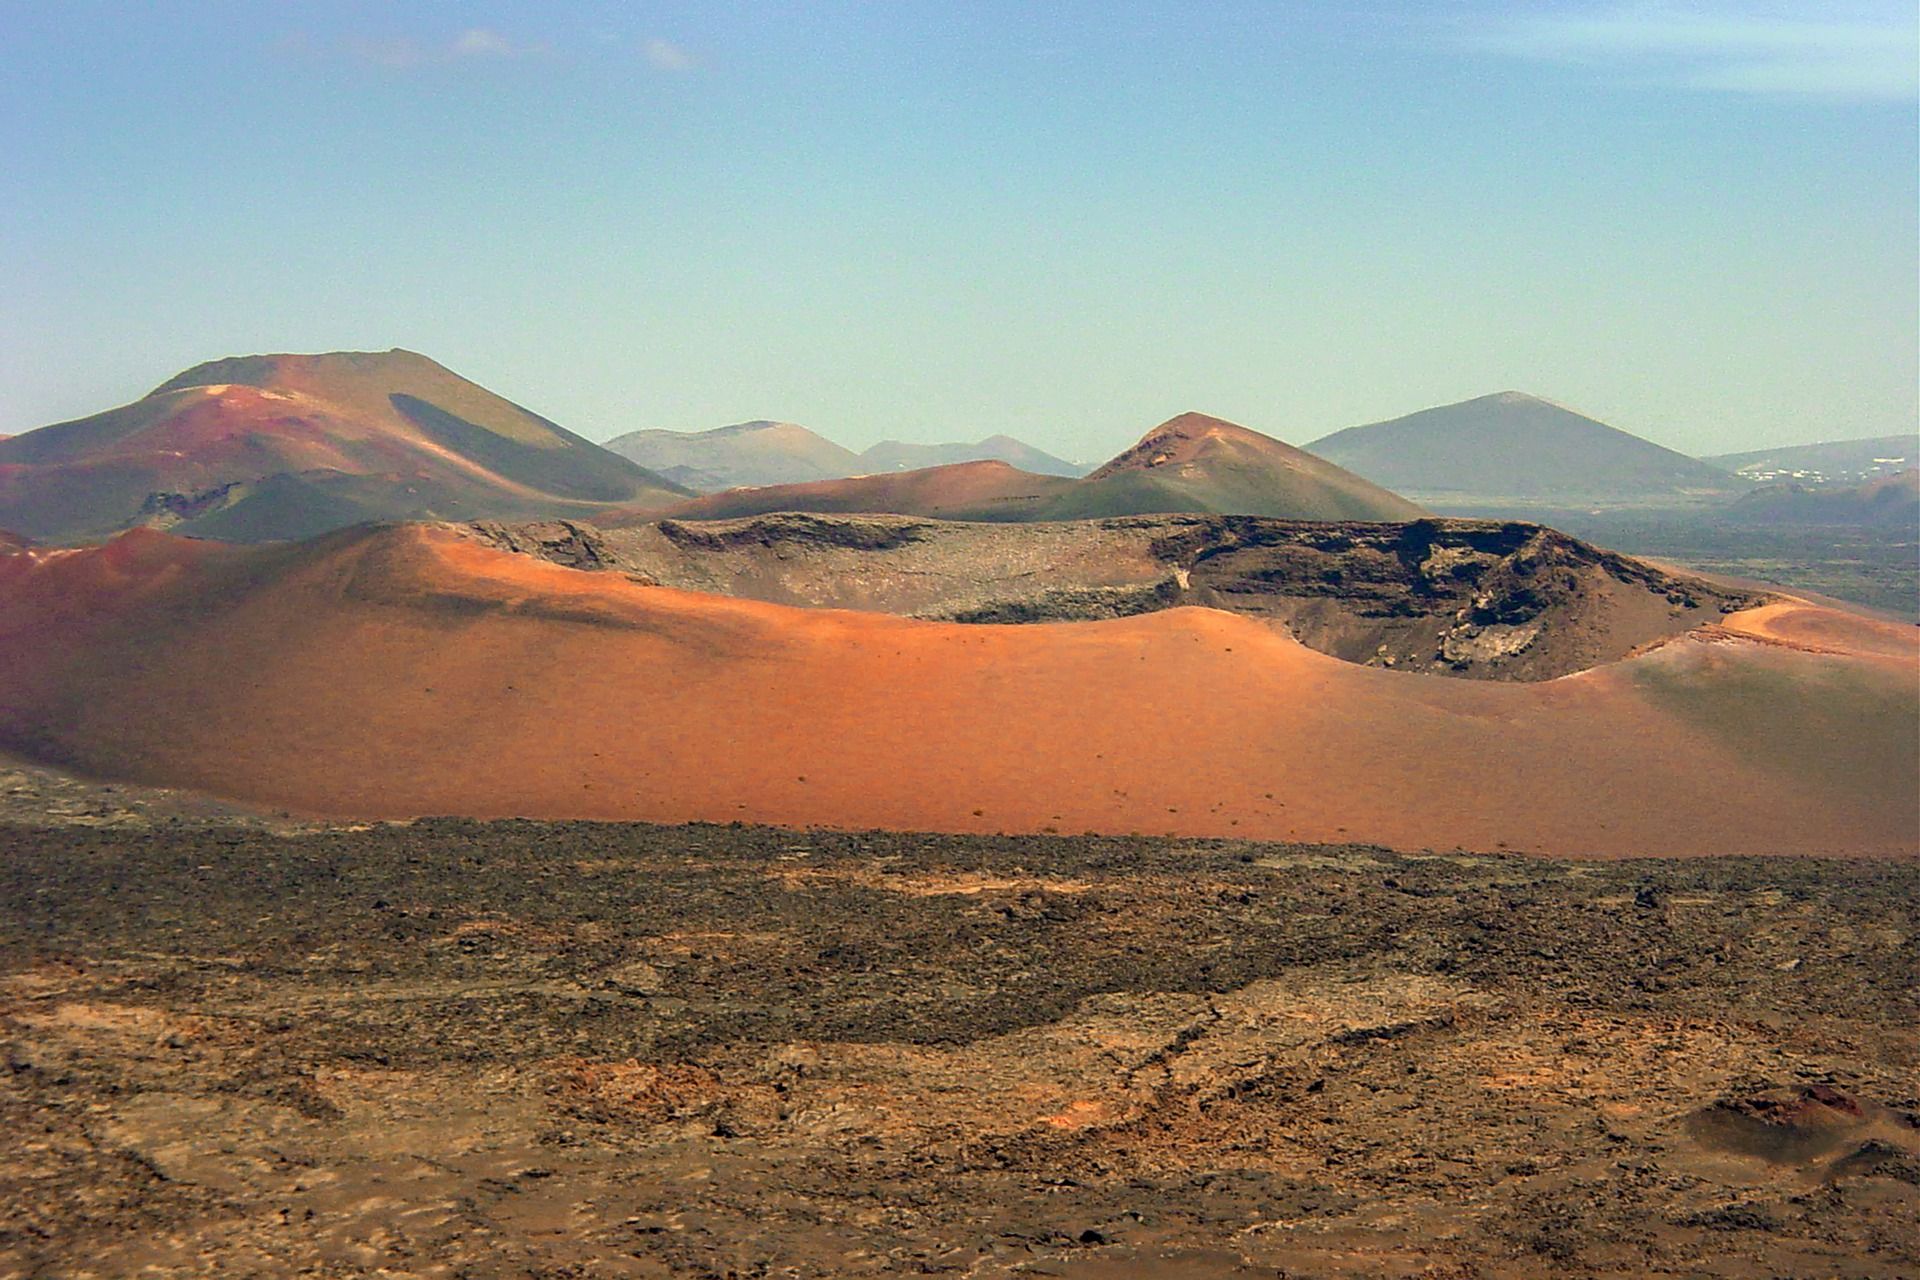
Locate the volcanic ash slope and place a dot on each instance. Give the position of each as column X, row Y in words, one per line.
column 407, row 670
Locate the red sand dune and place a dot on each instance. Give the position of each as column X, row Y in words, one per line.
column 405, row 671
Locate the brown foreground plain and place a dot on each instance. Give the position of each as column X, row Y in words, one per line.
column 400, row 671
column 536, row 1051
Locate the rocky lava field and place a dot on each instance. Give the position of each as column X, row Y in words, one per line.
column 520, row 1049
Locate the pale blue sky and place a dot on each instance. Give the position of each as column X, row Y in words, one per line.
column 933, row 221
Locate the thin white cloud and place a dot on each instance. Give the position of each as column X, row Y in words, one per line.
column 1826, row 50
column 403, row 53
column 479, row 42
column 473, row 45
column 665, row 55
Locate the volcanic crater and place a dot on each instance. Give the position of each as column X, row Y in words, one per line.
column 1480, row 599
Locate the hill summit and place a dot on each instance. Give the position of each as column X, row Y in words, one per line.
column 261, row 447
column 1517, row 448
column 1196, row 462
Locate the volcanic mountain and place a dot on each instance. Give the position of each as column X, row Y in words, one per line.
column 1192, row 463
column 1199, row 463
column 897, row 455
column 747, row 453
column 403, row 670
column 280, row 446
column 1518, row 450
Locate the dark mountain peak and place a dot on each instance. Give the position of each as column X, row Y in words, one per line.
column 1514, row 446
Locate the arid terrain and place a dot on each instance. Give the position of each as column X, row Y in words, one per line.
column 1145, row 641
column 1480, row 599
column 1325, row 985
column 536, row 1050
column 415, row 670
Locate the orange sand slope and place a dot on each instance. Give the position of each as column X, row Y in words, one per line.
column 402, row 671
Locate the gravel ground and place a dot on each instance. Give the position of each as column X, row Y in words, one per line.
column 522, row 1049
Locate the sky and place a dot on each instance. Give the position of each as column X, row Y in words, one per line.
column 1066, row 221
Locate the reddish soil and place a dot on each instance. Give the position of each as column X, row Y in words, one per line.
column 406, row 670
column 1824, row 630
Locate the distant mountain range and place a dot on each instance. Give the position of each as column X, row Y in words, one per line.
column 252, row 448
column 772, row 453
column 1192, row 463
column 255, row 448
column 895, row 455
column 746, row 453
column 1505, row 450
column 1829, row 462
column 1518, row 449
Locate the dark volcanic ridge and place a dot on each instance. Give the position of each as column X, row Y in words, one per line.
column 1494, row 600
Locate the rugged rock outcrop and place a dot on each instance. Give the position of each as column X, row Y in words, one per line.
column 1482, row 599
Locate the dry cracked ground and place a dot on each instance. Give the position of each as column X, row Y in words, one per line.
column 518, row 1050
